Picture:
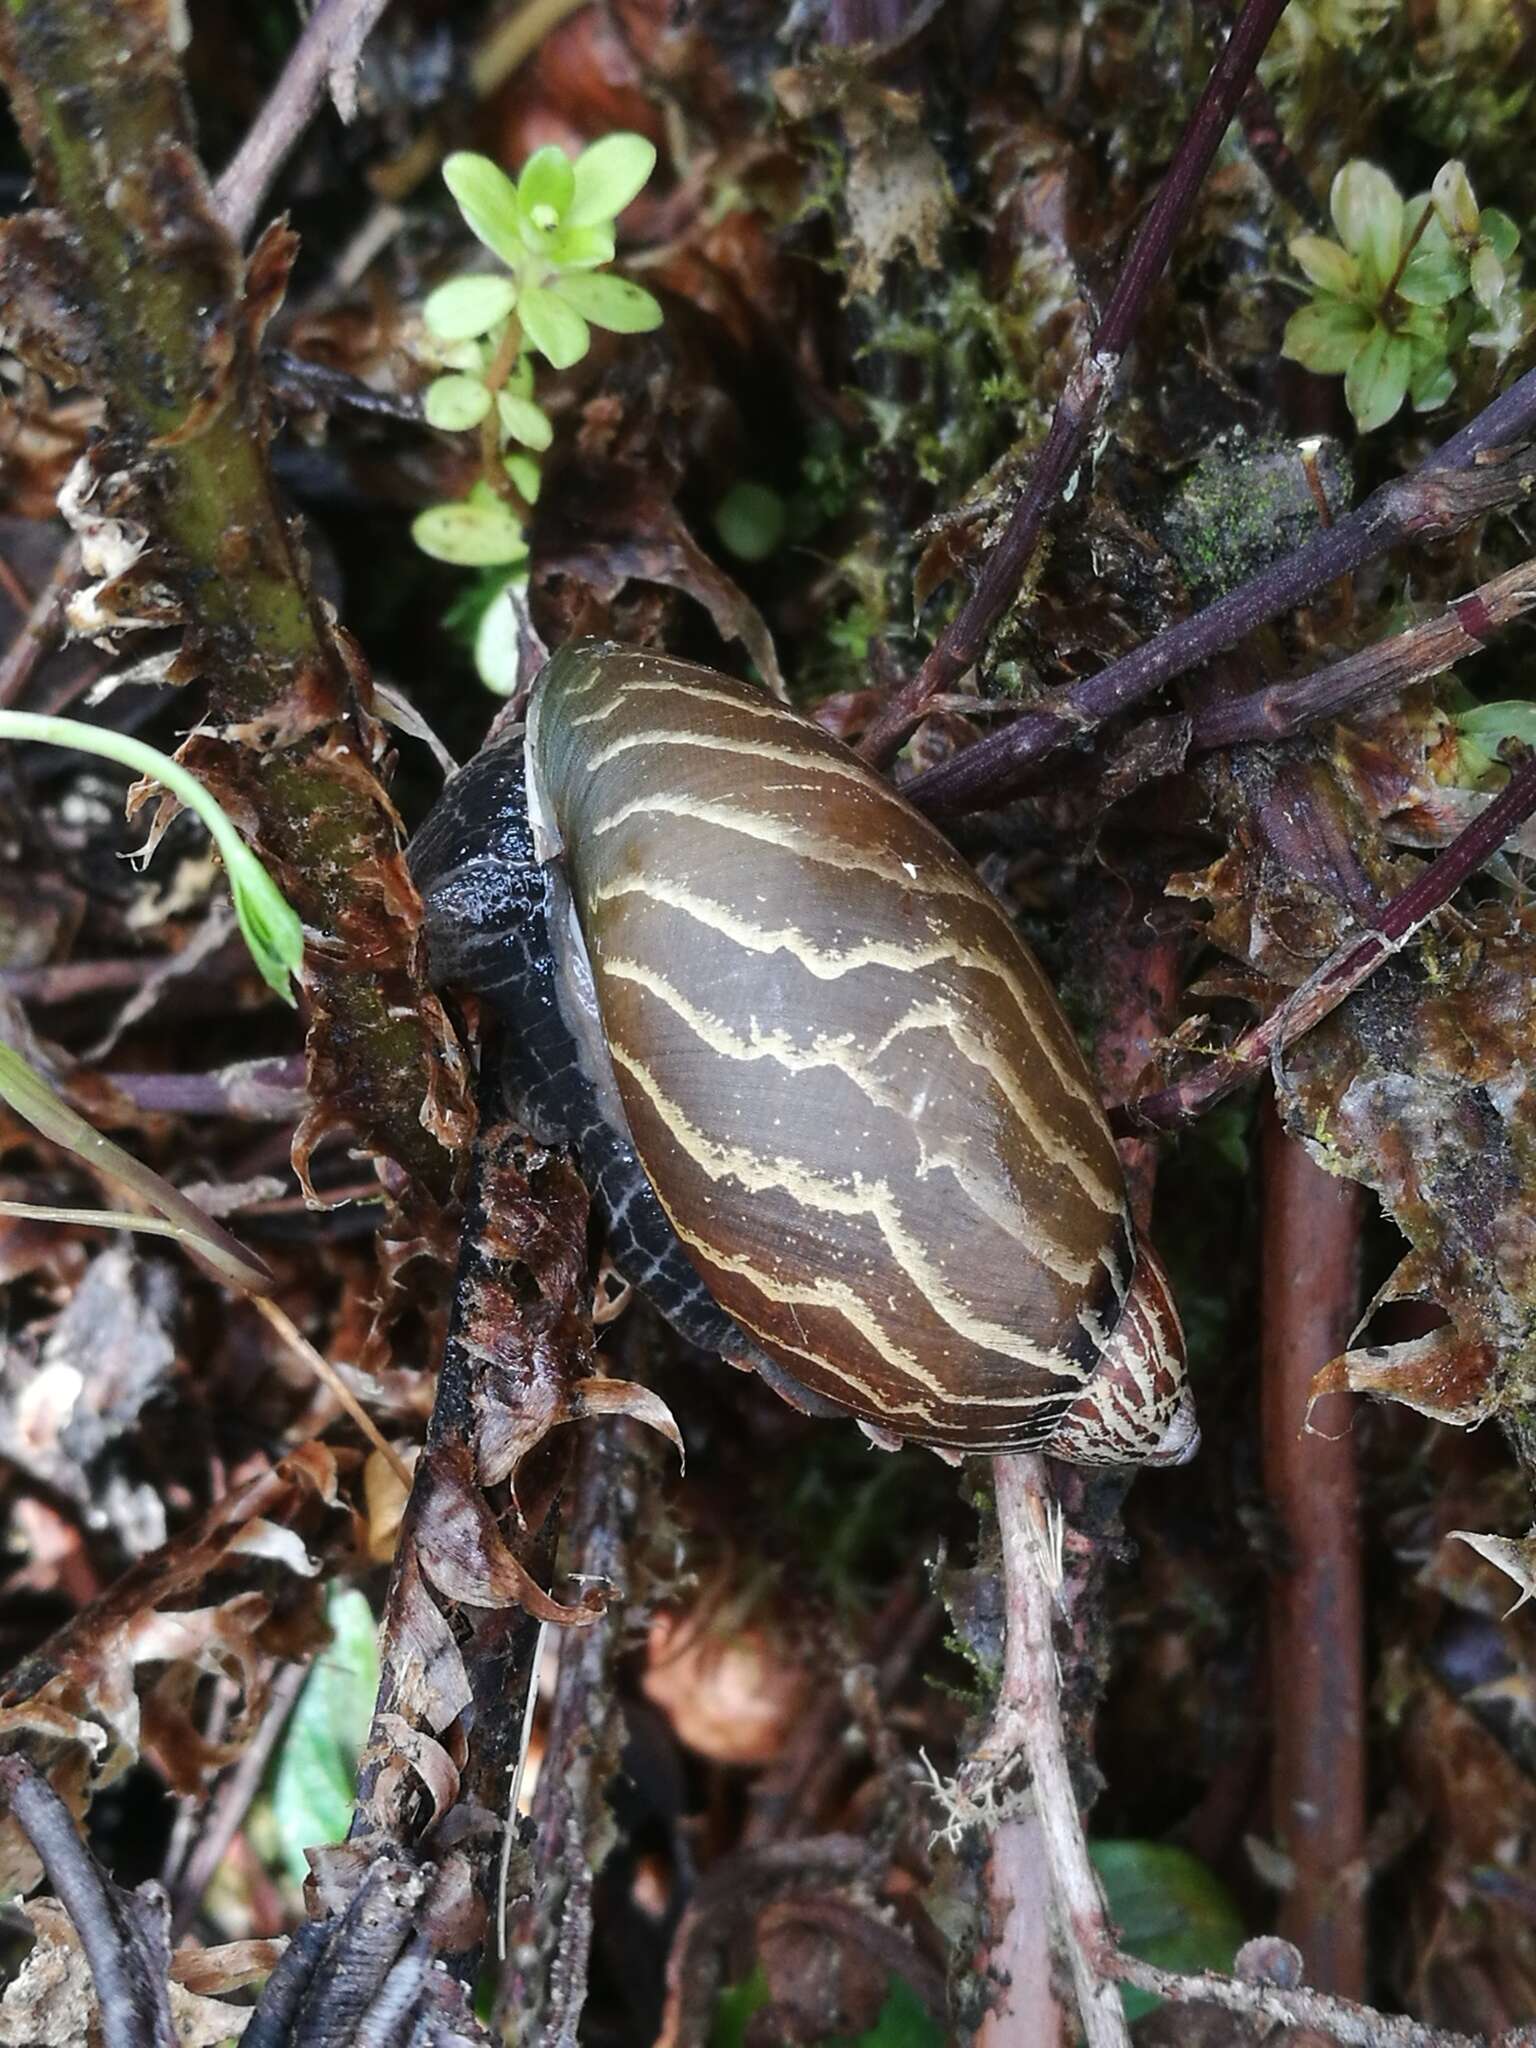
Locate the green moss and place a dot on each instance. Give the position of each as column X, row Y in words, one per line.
column 1248, row 502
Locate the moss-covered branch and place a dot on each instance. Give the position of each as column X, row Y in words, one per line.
column 131, row 285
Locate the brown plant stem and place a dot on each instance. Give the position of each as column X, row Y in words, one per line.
column 135, row 287
column 1028, row 1722
column 1479, row 470
column 1350, row 2025
column 1309, row 1294
column 326, row 54
column 1342, row 974
column 1089, row 385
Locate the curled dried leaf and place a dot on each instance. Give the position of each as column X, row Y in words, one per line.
column 464, row 1554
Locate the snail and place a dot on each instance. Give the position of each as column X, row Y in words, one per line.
column 833, row 1119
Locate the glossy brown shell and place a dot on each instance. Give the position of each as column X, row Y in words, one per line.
column 845, row 1075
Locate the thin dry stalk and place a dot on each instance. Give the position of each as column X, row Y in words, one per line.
column 1350, row 2025
column 326, row 55
column 1028, row 1723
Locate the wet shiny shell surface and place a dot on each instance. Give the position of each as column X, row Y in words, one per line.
column 849, row 1082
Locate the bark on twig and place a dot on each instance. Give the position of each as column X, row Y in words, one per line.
column 326, row 55
column 1463, row 628
column 122, row 1934
column 1352, row 2026
column 1310, row 1288
column 133, row 286
column 1479, row 470
column 1028, row 1722
column 1089, row 384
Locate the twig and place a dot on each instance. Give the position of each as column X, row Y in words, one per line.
column 326, row 54
column 262, row 1090
column 125, row 1947
column 1090, row 383
column 1465, row 627
column 1352, row 964
column 1028, row 1720
column 582, row 1749
column 224, row 1814
column 1465, row 478
column 331, row 1379
column 40, row 628
column 504, row 47
column 1352, row 2026
column 1310, row 1289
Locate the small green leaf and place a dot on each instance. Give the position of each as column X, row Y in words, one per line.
column 1513, row 718
column 487, row 198
column 608, row 175
column 1368, row 213
column 455, row 403
column 1432, row 277
column 1454, row 200
column 546, row 185
column 750, row 520
column 557, row 331
column 1327, row 336
column 315, row 1779
column 1501, row 231
column 467, row 307
column 1326, row 263
column 1432, row 382
column 473, row 535
column 271, row 927
column 268, row 922
column 1376, row 382
column 526, row 476
column 1487, row 273
column 611, row 302
column 580, row 248
column 523, row 420
column 1427, row 325
column 1171, row 1910
column 497, row 650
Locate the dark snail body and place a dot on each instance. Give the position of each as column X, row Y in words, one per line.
column 485, row 900
column 873, row 1161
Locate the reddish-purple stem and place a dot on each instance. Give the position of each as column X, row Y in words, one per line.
column 1089, row 384
column 1341, row 975
column 1463, row 628
column 1432, row 499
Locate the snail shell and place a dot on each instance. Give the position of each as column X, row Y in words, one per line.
column 861, row 1116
